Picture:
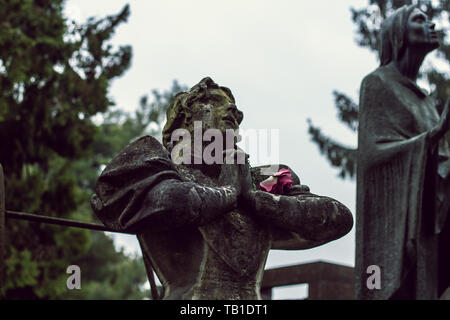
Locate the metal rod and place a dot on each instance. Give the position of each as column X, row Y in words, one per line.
column 59, row 221
column 2, row 230
column 149, row 268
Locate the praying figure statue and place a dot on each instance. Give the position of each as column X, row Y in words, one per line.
column 206, row 227
column 402, row 230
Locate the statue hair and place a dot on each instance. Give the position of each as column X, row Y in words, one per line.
column 394, row 34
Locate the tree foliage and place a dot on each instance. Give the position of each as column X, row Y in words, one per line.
column 368, row 21
column 54, row 77
column 111, row 274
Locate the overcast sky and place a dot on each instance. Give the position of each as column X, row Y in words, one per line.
column 281, row 59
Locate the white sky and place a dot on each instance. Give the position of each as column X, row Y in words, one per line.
column 281, row 59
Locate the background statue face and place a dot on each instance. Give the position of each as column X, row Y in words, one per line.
column 217, row 112
column 406, row 27
column 420, row 31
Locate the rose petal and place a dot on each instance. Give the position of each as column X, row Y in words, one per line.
column 282, row 172
column 268, row 184
column 285, row 183
column 279, row 183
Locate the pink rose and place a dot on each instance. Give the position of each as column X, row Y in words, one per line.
column 279, row 183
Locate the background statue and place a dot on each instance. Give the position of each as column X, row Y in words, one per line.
column 203, row 228
column 403, row 169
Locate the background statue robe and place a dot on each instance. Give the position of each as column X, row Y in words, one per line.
column 400, row 202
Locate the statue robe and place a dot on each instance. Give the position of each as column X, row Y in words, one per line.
column 123, row 185
column 130, row 196
column 401, row 203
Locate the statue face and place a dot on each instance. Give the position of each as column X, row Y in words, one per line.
column 219, row 112
column 420, row 31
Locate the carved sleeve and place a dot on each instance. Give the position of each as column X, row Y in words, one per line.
column 174, row 203
column 141, row 188
column 313, row 219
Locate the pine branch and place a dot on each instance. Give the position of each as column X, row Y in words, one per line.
column 347, row 110
column 337, row 154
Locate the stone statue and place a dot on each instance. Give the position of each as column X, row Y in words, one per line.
column 403, row 170
column 203, row 227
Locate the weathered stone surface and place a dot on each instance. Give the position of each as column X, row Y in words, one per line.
column 403, row 166
column 204, row 229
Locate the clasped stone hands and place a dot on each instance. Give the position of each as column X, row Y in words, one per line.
column 237, row 175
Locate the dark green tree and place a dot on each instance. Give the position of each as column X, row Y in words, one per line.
column 119, row 127
column 54, row 77
column 108, row 274
column 111, row 274
column 368, row 21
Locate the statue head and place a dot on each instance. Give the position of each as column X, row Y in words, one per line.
column 207, row 102
column 407, row 27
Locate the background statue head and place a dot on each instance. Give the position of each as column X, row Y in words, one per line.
column 207, row 102
column 408, row 26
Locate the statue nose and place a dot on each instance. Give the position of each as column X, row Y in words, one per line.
column 232, row 107
column 432, row 25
